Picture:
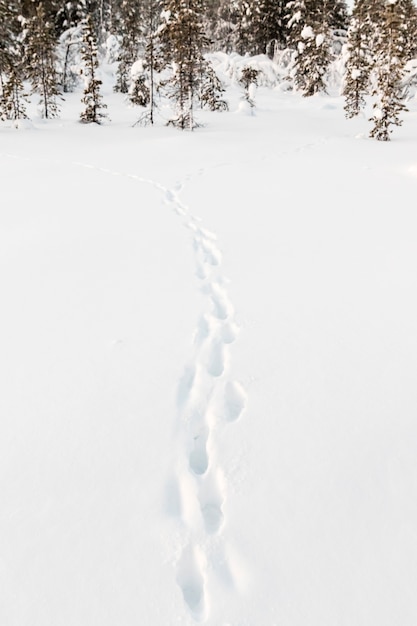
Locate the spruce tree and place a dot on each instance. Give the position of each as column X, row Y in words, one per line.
column 183, row 42
column 92, row 99
column 69, row 57
column 211, row 91
column 41, row 61
column 242, row 14
column 390, row 58
column 313, row 54
column 13, row 98
column 6, row 35
column 359, row 58
column 270, row 26
column 249, row 80
column 143, row 86
column 130, row 19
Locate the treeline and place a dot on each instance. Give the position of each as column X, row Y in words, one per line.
column 162, row 45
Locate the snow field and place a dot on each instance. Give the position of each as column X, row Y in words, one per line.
column 208, row 365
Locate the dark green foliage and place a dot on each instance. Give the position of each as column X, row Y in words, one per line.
column 130, row 19
column 92, row 99
column 390, row 58
column 249, row 80
column 144, row 85
column 359, row 60
column 270, row 26
column 13, row 99
column 69, row 49
column 312, row 39
column 212, row 91
column 183, row 43
column 6, row 35
column 139, row 93
column 41, row 61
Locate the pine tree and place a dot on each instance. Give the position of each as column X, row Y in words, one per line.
column 270, row 26
column 242, row 14
column 220, row 24
column 313, row 55
column 92, row 97
column 212, row 91
column 41, row 60
column 13, row 98
column 6, row 35
column 69, row 57
column 359, row 61
column 390, row 57
column 249, row 81
column 130, row 19
column 143, row 87
column 183, row 42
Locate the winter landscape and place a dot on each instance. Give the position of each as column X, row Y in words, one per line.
column 209, row 358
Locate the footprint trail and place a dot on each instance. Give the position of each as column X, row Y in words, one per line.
column 208, row 401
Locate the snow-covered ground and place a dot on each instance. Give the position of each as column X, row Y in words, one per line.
column 208, row 366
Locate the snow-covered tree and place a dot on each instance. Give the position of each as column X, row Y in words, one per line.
column 139, row 92
column 41, row 61
column 13, row 99
column 359, row 58
column 242, row 13
column 183, row 43
column 130, row 17
column 92, row 99
column 390, row 58
column 6, row 35
column 270, row 25
column 69, row 55
column 212, row 91
column 143, row 86
column 312, row 58
column 249, row 80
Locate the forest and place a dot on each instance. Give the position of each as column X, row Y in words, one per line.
column 50, row 48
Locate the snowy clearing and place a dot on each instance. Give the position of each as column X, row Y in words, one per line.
column 209, row 361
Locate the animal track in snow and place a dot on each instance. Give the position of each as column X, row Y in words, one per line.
column 199, row 460
column 211, row 499
column 216, row 360
column 229, row 331
column 197, row 495
column 234, row 401
column 208, row 250
column 186, row 385
column 222, row 307
column 191, row 581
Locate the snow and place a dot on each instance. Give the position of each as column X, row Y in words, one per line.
column 209, row 359
column 307, row 32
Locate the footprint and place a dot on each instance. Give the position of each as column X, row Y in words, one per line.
column 199, row 460
column 217, row 357
column 191, row 582
column 203, row 330
column 229, row 332
column 222, row 307
column 211, row 501
column 211, row 253
column 207, row 234
column 201, row 271
column 186, row 385
column 235, row 400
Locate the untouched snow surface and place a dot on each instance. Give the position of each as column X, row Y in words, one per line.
column 208, row 365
